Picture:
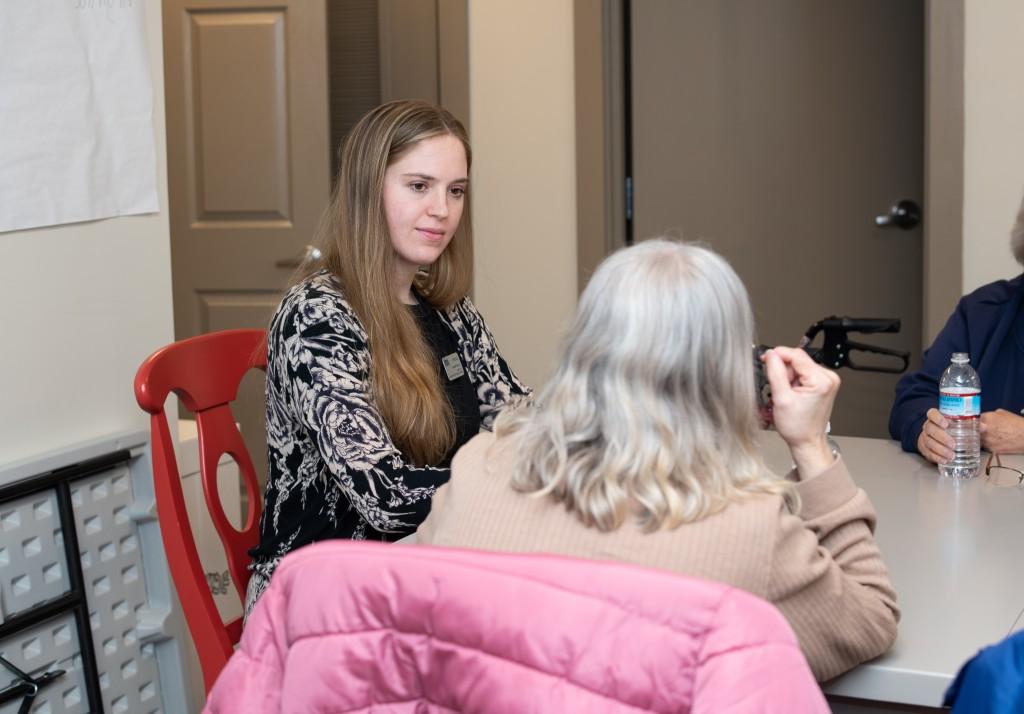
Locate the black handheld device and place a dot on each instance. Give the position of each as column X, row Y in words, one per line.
column 834, row 352
column 837, row 349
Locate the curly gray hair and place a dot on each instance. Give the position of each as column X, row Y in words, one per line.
column 650, row 414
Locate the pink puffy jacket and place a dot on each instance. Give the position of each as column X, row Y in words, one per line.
column 365, row 627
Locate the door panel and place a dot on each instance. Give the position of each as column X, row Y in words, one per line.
column 247, row 120
column 238, row 118
column 776, row 132
column 225, row 310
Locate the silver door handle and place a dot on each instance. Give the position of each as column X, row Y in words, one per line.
column 311, row 253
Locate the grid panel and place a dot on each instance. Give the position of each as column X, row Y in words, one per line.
column 116, row 592
column 45, row 647
column 32, row 564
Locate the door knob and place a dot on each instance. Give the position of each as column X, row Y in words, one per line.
column 310, row 254
column 905, row 215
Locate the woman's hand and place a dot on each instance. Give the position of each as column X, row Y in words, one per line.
column 933, row 442
column 1002, row 432
column 802, row 396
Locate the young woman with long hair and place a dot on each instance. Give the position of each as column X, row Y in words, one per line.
column 643, row 447
column 379, row 367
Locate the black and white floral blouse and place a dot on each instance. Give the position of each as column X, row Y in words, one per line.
column 334, row 471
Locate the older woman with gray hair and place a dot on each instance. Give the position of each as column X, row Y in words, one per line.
column 988, row 324
column 643, row 448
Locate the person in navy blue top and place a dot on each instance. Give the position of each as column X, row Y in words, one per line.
column 988, row 324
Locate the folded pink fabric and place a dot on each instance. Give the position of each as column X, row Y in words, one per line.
column 363, row 627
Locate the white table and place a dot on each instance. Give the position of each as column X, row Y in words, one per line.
column 954, row 551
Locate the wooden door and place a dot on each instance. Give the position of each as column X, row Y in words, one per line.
column 248, row 163
column 776, row 132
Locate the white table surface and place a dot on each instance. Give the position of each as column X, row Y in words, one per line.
column 955, row 552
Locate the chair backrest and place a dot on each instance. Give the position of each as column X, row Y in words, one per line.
column 346, row 625
column 205, row 372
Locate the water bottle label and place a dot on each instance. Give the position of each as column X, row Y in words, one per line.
column 960, row 405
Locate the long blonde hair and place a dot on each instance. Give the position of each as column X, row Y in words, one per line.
column 356, row 248
column 651, row 410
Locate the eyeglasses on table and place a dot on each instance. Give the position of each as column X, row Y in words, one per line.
column 999, row 475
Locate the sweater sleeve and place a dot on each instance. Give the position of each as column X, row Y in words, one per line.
column 828, row 578
column 328, row 367
column 918, row 391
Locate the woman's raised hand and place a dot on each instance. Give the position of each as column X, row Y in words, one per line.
column 803, row 393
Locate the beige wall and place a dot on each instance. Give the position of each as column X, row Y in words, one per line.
column 80, row 307
column 993, row 136
column 524, row 182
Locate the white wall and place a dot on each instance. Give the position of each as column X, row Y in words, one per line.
column 80, row 307
column 993, row 136
column 522, row 119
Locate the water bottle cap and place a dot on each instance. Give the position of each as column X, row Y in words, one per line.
column 961, row 358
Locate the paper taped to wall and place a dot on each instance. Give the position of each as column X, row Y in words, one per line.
column 76, row 112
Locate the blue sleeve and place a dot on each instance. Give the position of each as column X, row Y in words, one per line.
column 991, row 682
column 918, row 391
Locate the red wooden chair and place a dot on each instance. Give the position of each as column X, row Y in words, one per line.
column 204, row 372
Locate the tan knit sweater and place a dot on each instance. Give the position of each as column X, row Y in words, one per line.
column 822, row 568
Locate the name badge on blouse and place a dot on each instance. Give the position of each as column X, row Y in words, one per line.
column 452, row 366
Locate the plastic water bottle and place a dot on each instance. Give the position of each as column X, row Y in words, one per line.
column 960, row 403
